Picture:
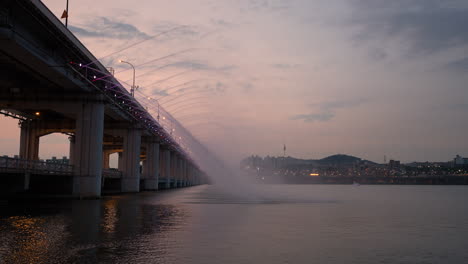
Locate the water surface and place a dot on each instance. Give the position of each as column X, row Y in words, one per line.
column 267, row 224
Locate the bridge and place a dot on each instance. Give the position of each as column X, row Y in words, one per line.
column 51, row 83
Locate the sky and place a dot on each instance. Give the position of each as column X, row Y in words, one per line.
column 361, row 77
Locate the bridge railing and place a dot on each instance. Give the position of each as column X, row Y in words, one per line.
column 111, row 173
column 15, row 165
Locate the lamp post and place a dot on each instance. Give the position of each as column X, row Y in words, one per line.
column 132, row 90
column 66, row 19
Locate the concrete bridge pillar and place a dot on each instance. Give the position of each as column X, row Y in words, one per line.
column 71, row 154
column 185, row 173
column 194, row 176
column 197, row 177
column 182, row 173
column 176, row 171
column 120, row 161
column 166, row 162
column 151, row 166
column 189, row 174
column 167, row 168
column 161, row 164
column 173, row 169
column 87, row 157
column 131, row 161
column 187, row 179
column 29, row 141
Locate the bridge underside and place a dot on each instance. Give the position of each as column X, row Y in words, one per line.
column 40, row 86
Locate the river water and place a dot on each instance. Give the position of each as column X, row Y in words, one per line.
column 266, row 224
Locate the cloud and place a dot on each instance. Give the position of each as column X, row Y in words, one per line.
column 218, row 87
column 221, row 23
column 427, row 25
column 161, row 92
column 198, row 65
column 268, row 5
column 181, row 31
column 309, row 118
column 327, row 111
column 459, row 107
column 332, row 105
column 285, row 66
column 459, row 65
column 103, row 27
column 247, row 87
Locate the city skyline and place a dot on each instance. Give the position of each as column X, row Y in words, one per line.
column 366, row 78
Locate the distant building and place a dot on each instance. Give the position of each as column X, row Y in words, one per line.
column 393, row 164
column 63, row 160
column 460, row 161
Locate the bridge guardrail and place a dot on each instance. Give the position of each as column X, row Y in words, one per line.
column 111, row 173
column 15, row 165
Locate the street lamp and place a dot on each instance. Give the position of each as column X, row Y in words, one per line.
column 132, row 90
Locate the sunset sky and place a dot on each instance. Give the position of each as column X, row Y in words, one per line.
column 361, row 77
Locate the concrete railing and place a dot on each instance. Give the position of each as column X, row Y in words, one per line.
column 111, row 173
column 15, row 165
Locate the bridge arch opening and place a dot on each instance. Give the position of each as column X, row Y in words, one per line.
column 10, row 139
column 114, row 160
column 54, row 145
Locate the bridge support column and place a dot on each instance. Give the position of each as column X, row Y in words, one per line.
column 88, row 150
column 176, row 171
column 71, row 155
column 106, row 159
column 29, row 141
column 187, row 173
column 167, row 168
column 151, row 166
column 120, row 161
column 189, row 177
column 184, row 173
column 173, row 169
column 131, row 161
column 181, row 173
column 197, row 177
column 194, row 176
column 161, row 167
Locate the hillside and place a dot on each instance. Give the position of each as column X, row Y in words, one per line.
column 339, row 159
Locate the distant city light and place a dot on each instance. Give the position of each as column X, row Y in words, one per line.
column 37, row 113
column 314, row 174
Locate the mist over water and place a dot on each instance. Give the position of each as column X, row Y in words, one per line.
column 228, row 180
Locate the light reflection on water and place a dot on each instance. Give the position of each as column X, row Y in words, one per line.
column 120, row 229
column 276, row 224
column 30, row 239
